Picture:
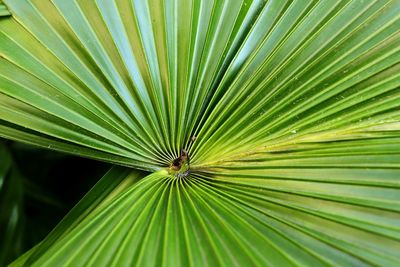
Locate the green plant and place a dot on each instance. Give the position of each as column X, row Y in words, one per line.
column 284, row 114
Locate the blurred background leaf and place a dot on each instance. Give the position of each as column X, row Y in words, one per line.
column 37, row 188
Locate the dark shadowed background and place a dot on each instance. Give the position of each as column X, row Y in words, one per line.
column 39, row 188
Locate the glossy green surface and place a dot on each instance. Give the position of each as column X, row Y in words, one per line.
column 289, row 111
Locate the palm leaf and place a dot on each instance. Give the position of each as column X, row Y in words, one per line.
column 3, row 10
column 288, row 111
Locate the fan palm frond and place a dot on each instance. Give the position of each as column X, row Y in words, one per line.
column 251, row 132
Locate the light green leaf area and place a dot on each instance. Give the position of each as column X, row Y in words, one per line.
column 289, row 112
column 270, row 213
column 3, row 10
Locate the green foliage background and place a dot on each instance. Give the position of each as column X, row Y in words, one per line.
column 288, row 110
column 37, row 188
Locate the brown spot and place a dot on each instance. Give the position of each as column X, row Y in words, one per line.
column 177, row 163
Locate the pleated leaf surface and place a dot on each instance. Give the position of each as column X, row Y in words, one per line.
column 289, row 112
